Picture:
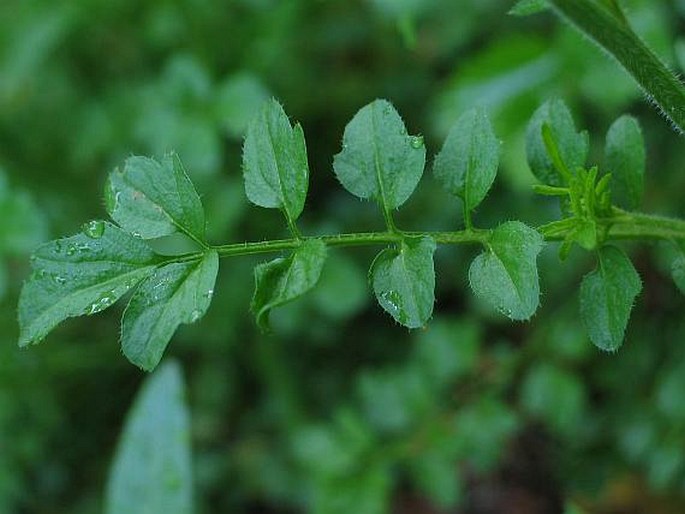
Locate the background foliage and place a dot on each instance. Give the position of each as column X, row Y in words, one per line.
column 339, row 410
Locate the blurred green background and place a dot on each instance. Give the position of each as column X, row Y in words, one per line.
column 340, row 410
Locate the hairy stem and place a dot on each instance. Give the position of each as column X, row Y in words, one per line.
column 610, row 30
column 621, row 225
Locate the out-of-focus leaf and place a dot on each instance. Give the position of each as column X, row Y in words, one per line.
column 237, row 99
column 438, row 477
column 678, row 270
column 342, row 289
column 528, row 7
column 555, row 395
column 23, row 226
column 152, row 469
column 447, row 350
column 487, row 425
column 395, row 400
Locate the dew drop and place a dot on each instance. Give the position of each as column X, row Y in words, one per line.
column 195, row 315
column 94, row 229
column 111, row 199
column 416, row 142
column 209, row 294
column 392, row 301
column 71, row 249
column 137, row 235
column 101, row 303
column 59, row 279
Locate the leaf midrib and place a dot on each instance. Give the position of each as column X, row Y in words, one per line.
column 164, row 211
column 46, row 314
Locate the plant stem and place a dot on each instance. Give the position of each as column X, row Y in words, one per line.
column 622, row 225
column 610, row 30
column 635, row 225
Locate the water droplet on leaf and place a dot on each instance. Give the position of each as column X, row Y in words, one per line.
column 94, row 229
column 416, row 142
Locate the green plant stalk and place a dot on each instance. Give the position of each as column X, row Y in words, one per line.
column 611, row 32
column 622, row 225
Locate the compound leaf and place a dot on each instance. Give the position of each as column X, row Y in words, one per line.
column 79, row 275
column 282, row 280
column 153, row 199
column 176, row 293
column 152, row 468
column 573, row 146
column 379, row 159
column 403, row 281
column 506, row 274
column 275, row 162
column 606, row 298
column 625, row 159
column 467, row 164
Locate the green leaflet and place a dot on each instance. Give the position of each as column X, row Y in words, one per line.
column 528, row 7
column 152, row 468
column 625, row 160
column 175, row 293
column 379, row 159
column 275, row 162
column 282, row 280
column 506, row 274
column 153, row 199
column 403, row 281
column 572, row 146
column 606, row 298
column 79, row 275
column 467, row 164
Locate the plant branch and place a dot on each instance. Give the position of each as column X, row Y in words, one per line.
column 621, row 225
column 613, row 34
